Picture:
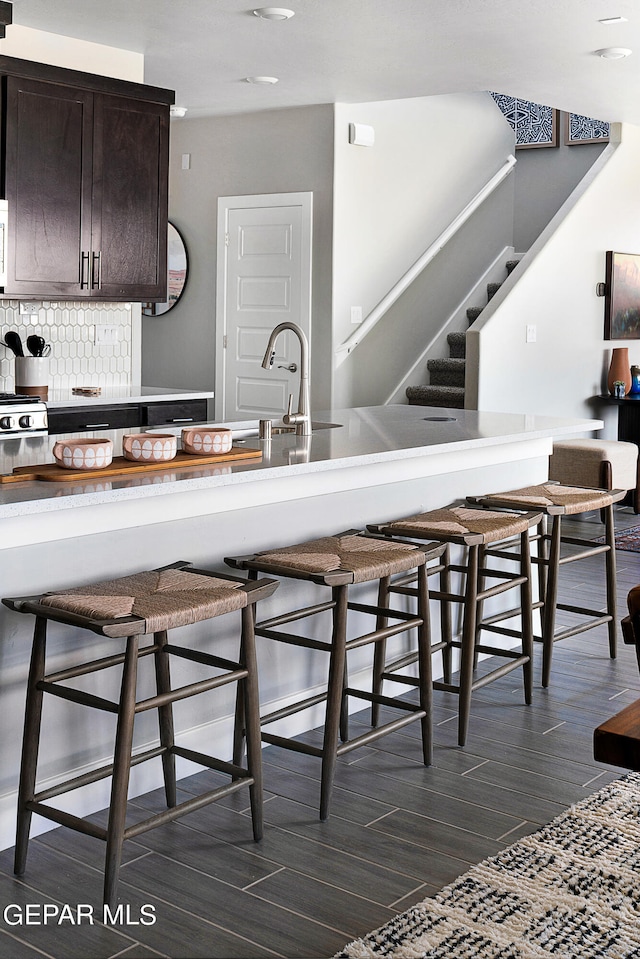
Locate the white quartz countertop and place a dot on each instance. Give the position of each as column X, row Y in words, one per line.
column 366, row 437
column 123, row 394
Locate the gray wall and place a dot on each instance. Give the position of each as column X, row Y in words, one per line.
column 544, row 178
column 281, row 151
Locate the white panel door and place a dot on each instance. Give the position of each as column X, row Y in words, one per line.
column 264, row 278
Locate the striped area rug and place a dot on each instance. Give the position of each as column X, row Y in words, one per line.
column 571, row 890
column 628, row 539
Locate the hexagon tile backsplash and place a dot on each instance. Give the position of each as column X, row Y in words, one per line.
column 76, row 359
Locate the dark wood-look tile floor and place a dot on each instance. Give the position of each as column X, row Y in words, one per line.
column 398, row 831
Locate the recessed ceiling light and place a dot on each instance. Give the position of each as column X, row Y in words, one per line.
column 613, row 53
column 175, row 111
column 261, row 80
column 608, row 20
column 274, row 13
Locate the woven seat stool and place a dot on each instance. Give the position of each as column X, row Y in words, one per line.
column 340, row 562
column 125, row 609
column 599, row 464
column 557, row 501
column 475, row 529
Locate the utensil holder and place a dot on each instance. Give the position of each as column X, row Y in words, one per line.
column 32, row 376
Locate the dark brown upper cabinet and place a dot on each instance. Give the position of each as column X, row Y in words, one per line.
column 86, row 180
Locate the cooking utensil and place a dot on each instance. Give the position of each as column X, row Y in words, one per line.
column 36, row 344
column 13, row 341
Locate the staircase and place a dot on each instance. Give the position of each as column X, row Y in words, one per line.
column 446, row 376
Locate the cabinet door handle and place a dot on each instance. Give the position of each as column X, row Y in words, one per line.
column 181, row 419
column 96, row 426
column 84, row 273
column 96, row 258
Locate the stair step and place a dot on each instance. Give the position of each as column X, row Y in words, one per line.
column 457, row 345
column 492, row 289
column 442, row 396
column 473, row 313
column 446, row 372
column 511, row 265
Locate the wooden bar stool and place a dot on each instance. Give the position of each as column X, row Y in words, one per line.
column 339, row 562
column 149, row 602
column 556, row 501
column 475, row 529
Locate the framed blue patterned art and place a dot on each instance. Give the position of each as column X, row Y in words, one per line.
column 579, row 129
column 534, row 124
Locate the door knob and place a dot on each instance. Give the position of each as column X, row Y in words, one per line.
column 292, row 367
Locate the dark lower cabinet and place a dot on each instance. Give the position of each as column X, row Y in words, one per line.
column 173, row 414
column 133, row 416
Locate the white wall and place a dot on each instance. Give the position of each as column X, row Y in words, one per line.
column 562, row 372
column 41, row 47
column 391, row 201
column 544, row 178
column 271, row 152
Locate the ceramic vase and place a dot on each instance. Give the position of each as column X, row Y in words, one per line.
column 619, row 369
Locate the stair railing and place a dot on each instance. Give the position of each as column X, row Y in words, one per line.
column 376, row 314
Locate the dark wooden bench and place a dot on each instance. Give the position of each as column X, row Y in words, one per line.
column 617, row 741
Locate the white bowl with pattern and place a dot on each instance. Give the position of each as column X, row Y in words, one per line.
column 206, row 441
column 83, row 454
column 149, row 447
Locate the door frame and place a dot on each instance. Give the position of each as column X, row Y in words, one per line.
column 225, row 205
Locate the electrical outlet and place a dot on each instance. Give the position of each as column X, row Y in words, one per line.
column 105, row 334
column 29, row 309
column 356, row 314
column 532, row 333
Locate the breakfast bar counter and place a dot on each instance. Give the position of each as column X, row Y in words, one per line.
column 376, row 464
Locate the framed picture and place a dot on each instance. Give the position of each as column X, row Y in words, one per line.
column 622, row 296
column 578, row 129
column 534, row 124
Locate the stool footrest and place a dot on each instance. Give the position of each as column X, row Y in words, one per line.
column 293, row 708
column 67, row 819
column 293, row 640
column 192, row 689
column 78, row 696
column 189, row 805
column 220, row 765
column 293, row 744
column 383, row 633
column 294, row 615
column 378, row 731
column 95, row 775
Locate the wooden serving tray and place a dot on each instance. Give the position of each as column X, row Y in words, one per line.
column 123, row 467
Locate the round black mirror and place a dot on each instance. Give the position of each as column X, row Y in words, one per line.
column 177, row 270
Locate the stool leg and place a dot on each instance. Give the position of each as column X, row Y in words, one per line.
column 121, row 767
column 550, row 600
column 334, row 698
column 611, row 580
column 251, row 701
column 425, row 667
column 468, row 644
column 239, row 726
column 165, row 718
column 526, row 606
column 446, row 631
column 379, row 648
column 30, row 743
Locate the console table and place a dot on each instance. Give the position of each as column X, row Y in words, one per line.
column 628, row 416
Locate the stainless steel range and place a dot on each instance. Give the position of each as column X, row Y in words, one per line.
column 22, row 415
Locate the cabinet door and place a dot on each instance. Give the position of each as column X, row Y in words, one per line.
column 48, row 180
column 129, row 203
